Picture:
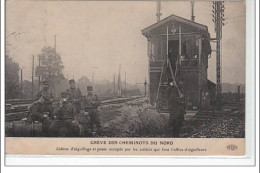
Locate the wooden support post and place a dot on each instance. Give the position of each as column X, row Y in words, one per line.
column 32, row 75
column 167, row 45
column 180, row 44
column 199, row 70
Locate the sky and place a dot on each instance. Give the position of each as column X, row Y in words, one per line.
column 95, row 37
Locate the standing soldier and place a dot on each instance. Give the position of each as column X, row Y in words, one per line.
column 75, row 96
column 92, row 103
column 45, row 92
column 176, row 108
column 41, row 110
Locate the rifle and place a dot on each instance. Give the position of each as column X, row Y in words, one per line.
column 174, row 80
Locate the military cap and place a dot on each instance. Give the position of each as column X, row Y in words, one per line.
column 71, row 81
column 89, row 88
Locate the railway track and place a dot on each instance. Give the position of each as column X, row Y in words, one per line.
column 21, row 110
column 18, row 105
column 218, row 124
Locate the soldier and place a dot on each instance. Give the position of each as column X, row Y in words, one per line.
column 41, row 110
column 176, row 108
column 65, row 123
column 75, row 96
column 45, row 92
column 92, row 103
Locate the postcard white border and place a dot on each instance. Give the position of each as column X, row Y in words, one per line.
column 251, row 119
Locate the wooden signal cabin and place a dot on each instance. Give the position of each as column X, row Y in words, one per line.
column 187, row 44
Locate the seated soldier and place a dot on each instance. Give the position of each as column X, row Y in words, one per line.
column 45, row 92
column 41, row 110
column 65, row 124
column 75, row 96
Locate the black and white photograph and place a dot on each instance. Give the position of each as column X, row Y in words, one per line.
column 128, row 69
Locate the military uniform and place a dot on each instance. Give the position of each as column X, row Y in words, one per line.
column 38, row 111
column 177, row 110
column 46, row 94
column 92, row 104
column 65, row 123
column 75, row 96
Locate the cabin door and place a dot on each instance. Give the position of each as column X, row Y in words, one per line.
column 173, row 51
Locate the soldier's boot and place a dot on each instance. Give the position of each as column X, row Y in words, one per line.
column 91, row 127
column 77, row 128
column 91, row 123
column 175, row 133
column 169, row 131
column 99, row 130
column 81, row 131
column 45, row 127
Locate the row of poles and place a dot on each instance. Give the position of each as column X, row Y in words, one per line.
column 32, row 78
column 33, row 74
column 158, row 13
column 119, row 87
column 39, row 80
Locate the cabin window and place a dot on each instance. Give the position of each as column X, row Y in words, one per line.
column 151, row 51
column 191, row 49
column 197, row 42
column 183, row 49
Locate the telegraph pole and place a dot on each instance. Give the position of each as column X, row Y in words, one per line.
column 218, row 19
column 21, row 83
column 93, row 79
column 192, row 11
column 39, row 77
column 55, row 54
column 125, row 81
column 119, row 81
column 32, row 73
column 114, row 84
column 145, row 83
column 55, row 43
column 158, row 14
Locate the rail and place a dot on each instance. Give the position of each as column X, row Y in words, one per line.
column 20, row 112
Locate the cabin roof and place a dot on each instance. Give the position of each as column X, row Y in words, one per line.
column 174, row 18
column 211, row 83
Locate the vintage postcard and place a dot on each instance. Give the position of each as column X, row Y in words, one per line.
column 126, row 78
